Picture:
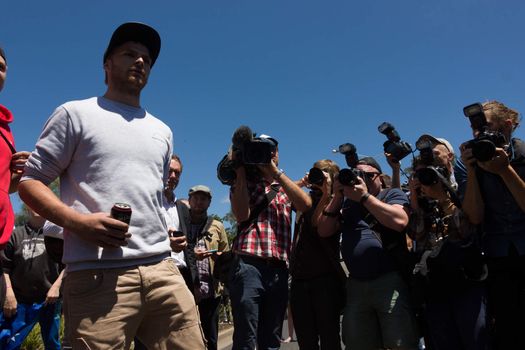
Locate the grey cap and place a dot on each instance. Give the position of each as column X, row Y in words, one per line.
column 436, row 141
column 200, row 188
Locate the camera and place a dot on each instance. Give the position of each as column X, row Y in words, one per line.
column 350, row 153
column 248, row 150
column 484, row 145
column 430, row 174
column 397, row 148
column 348, row 177
column 316, row 176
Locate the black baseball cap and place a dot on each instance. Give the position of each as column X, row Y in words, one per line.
column 370, row 161
column 137, row 32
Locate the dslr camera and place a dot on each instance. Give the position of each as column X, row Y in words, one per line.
column 484, row 145
column 393, row 145
column 248, row 150
column 348, row 176
column 431, row 173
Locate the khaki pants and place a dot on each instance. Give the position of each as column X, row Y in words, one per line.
column 107, row 308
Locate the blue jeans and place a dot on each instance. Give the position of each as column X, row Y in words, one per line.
column 27, row 315
column 259, row 296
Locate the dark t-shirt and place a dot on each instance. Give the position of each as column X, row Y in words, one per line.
column 363, row 251
column 31, row 270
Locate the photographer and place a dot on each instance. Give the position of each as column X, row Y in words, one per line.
column 258, row 283
column 495, row 197
column 377, row 313
column 318, row 280
column 450, row 271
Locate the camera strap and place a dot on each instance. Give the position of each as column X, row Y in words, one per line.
column 274, row 188
column 451, row 191
column 11, row 147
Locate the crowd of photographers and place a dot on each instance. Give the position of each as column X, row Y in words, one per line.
column 435, row 262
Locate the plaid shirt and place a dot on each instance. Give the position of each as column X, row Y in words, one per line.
column 270, row 235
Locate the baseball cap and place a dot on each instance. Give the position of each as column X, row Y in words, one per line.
column 137, row 32
column 200, row 188
column 436, row 141
column 370, row 161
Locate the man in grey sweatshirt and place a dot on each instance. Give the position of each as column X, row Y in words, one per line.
column 120, row 280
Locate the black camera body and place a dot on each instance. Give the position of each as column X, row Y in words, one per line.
column 348, row 177
column 397, row 148
column 316, row 176
column 249, row 151
column 484, row 145
column 350, row 153
column 430, row 175
column 257, row 151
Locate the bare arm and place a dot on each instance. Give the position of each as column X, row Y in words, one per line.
column 393, row 216
column 239, row 196
column 472, row 204
column 10, row 303
column 500, row 165
column 300, row 199
column 18, row 162
column 54, row 292
column 329, row 223
column 97, row 228
column 396, row 170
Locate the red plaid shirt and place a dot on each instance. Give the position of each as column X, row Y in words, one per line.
column 270, row 235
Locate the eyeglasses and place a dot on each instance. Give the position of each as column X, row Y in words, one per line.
column 371, row 176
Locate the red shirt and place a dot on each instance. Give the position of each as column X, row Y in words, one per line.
column 7, row 217
column 270, row 236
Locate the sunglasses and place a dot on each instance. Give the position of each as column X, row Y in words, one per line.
column 371, row 176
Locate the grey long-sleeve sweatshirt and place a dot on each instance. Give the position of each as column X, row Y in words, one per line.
column 106, row 152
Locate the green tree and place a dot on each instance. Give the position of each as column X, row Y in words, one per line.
column 230, row 225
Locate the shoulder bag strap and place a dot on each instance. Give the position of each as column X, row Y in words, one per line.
column 11, row 147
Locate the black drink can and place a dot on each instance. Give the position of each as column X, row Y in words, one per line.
column 121, row 212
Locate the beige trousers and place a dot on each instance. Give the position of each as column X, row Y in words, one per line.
column 107, row 308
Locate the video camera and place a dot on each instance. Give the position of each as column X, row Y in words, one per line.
column 397, row 148
column 246, row 149
column 484, row 145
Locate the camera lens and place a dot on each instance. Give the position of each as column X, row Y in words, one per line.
column 426, row 176
column 316, row 176
column 483, row 150
column 347, row 177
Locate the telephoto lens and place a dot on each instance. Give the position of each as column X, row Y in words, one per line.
column 347, row 177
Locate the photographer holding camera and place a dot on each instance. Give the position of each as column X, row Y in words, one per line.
column 372, row 221
column 318, row 280
column 262, row 197
column 495, row 197
column 450, row 273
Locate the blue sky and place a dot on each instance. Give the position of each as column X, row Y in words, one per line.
column 313, row 74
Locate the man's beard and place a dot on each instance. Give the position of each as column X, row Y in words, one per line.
column 131, row 85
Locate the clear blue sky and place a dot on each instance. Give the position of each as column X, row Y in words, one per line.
column 313, row 74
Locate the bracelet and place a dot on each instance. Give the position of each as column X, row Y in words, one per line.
column 331, row 214
column 278, row 175
column 364, row 198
